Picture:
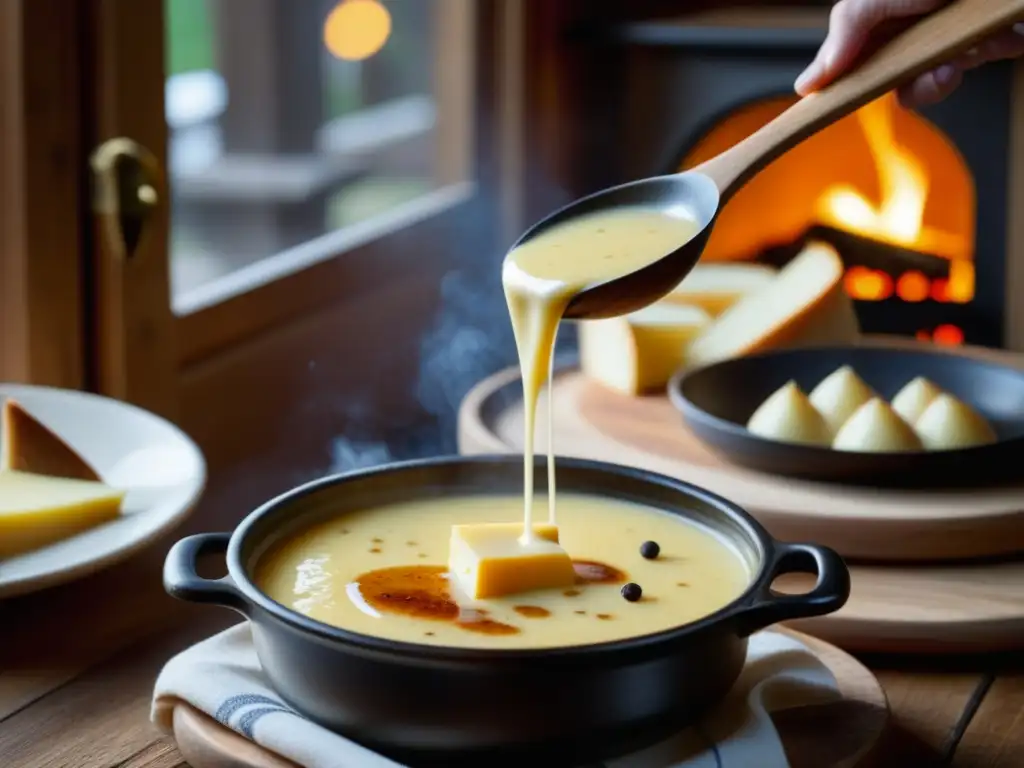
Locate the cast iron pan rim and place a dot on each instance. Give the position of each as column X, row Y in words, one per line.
column 416, row 652
column 690, row 409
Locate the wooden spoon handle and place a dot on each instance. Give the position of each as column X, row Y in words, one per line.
column 932, row 41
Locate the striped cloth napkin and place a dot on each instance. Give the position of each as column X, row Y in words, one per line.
column 221, row 676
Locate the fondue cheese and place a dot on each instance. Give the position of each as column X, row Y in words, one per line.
column 788, row 416
column 493, row 559
column 639, row 353
column 29, row 446
column 543, row 274
column 716, row 287
column 381, row 571
column 875, row 427
column 36, row 510
column 838, row 395
column 915, row 396
column 948, row 424
column 804, row 305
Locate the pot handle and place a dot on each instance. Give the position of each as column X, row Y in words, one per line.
column 182, row 581
column 829, row 594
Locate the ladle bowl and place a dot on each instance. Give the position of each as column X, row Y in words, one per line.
column 701, row 192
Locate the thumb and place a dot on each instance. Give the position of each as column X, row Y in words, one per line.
column 852, row 24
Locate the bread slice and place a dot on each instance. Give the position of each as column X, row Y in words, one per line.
column 805, row 305
column 714, row 287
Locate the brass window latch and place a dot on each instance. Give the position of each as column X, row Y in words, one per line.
column 126, row 177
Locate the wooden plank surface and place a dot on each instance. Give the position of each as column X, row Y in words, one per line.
column 80, row 699
column 994, row 737
column 78, row 662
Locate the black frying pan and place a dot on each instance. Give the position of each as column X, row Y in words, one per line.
column 717, row 401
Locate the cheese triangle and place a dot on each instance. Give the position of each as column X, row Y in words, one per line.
column 27, row 445
column 36, row 510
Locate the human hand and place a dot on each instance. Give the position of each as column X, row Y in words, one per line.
column 856, row 25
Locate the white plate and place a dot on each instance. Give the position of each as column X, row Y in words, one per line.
column 161, row 469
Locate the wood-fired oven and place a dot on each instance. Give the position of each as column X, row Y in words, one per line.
column 919, row 204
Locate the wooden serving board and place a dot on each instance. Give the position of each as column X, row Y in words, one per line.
column 935, row 608
column 861, row 523
column 840, row 734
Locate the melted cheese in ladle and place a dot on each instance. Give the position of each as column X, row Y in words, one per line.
column 542, row 276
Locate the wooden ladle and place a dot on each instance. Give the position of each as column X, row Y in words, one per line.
column 702, row 191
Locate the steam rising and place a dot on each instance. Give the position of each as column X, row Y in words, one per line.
column 470, row 338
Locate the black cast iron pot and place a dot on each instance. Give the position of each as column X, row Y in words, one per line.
column 427, row 705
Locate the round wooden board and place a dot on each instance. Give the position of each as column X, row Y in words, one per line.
column 947, row 608
column 840, row 734
column 862, row 523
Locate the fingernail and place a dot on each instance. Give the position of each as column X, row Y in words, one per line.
column 945, row 74
column 1018, row 28
column 808, row 76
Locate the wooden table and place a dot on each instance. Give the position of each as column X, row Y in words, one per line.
column 77, row 666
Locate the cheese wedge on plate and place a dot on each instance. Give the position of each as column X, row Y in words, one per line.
column 29, row 446
column 639, row 352
column 804, row 305
column 717, row 286
column 36, row 510
column 47, row 491
column 493, row 559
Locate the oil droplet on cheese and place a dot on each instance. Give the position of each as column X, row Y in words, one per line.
column 876, row 428
column 788, row 416
column 911, row 401
column 948, row 423
column 838, row 395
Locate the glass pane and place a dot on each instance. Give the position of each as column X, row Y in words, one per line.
column 292, row 121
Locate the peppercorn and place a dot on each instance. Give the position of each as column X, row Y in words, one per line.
column 632, row 592
column 650, row 550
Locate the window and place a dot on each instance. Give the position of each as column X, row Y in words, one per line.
column 298, row 130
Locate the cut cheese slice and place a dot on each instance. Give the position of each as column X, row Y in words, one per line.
column 876, row 428
column 804, row 305
column 639, row 352
column 716, row 287
column 493, row 559
column 27, row 445
column 36, row 510
column 788, row 416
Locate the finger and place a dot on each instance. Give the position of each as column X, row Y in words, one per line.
column 932, row 87
column 940, row 83
column 1005, row 45
column 850, row 26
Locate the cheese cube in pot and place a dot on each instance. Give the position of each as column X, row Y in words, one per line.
column 494, row 559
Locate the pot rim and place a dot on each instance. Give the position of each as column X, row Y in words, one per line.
column 764, row 545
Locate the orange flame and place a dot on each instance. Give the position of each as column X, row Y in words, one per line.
column 899, row 215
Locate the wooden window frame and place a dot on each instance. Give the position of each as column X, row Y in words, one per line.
column 339, row 265
column 42, row 204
